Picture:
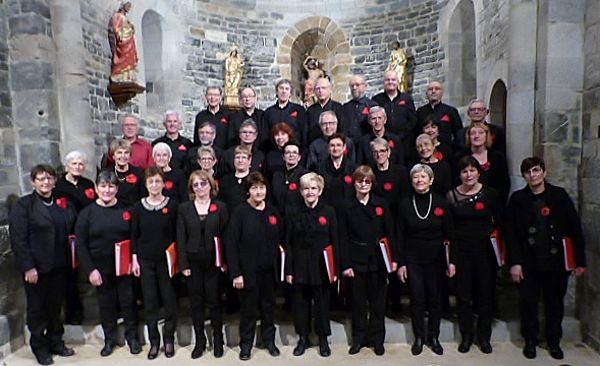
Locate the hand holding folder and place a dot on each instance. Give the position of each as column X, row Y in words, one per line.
column 569, row 253
column 172, row 261
column 386, row 252
column 499, row 247
column 329, row 258
column 123, row 258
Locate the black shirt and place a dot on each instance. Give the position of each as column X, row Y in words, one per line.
column 80, row 195
column 314, row 111
column 293, row 114
column 401, row 116
column 220, row 120
column 179, row 149
column 153, row 229
column 447, row 115
column 356, row 117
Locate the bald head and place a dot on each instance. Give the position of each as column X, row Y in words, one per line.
column 358, row 86
column 435, row 92
column 390, row 82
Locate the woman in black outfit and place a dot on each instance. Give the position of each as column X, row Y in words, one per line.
column 441, row 169
column 337, row 171
column 312, row 229
column 39, row 227
column 99, row 226
column 130, row 177
column 365, row 220
column 232, row 189
column 174, row 178
column 152, row 231
column 200, row 223
column 252, row 242
column 476, row 210
column 425, row 223
column 281, row 134
column 286, row 189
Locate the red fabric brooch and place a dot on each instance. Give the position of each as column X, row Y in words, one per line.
column 485, row 167
column 392, row 144
column 182, row 148
column 346, row 152
column 545, row 211
column 438, row 212
column 365, row 111
column 213, row 208
column 90, row 194
column 402, row 102
column 379, row 211
column 272, row 220
column 165, row 210
column 479, row 206
column 294, row 114
column 131, row 179
column 224, row 120
column 293, row 186
column 348, row 179
column 169, row 185
column 61, row 202
column 445, row 118
column 438, row 155
column 126, row 215
column 388, row 186
column 322, row 220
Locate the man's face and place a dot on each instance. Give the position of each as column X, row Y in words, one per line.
column 328, row 125
column 435, row 92
column 172, row 124
column 358, row 87
column 381, row 153
column 477, row 112
column 390, row 81
column 206, row 135
column 130, row 127
column 377, row 120
column 291, row 155
column 242, row 162
column 323, row 90
column 336, row 148
column 247, row 135
column 213, row 97
column 284, row 91
column 248, row 99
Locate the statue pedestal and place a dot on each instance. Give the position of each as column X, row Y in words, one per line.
column 124, row 92
column 232, row 102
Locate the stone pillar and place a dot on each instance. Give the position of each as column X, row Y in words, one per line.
column 71, row 81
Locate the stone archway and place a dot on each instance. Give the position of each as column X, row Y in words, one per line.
column 497, row 103
column 322, row 38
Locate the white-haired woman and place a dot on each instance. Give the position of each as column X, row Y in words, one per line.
column 175, row 182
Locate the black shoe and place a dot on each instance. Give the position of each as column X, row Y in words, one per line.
column 44, row 359
column 108, row 349
column 302, row 345
column 417, row 346
column 218, row 349
column 556, row 352
column 465, row 345
column 485, row 346
column 197, row 351
column 153, row 352
column 379, row 349
column 134, row 347
column 74, row 319
column 529, row 350
column 62, row 351
column 169, row 349
column 324, row 349
column 273, row 350
column 436, row 347
column 245, row 354
column 355, row 348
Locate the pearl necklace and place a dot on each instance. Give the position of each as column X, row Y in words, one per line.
column 417, row 210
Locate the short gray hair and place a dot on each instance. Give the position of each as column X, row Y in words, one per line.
column 171, row 112
column 328, row 113
column 376, row 109
column 379, row 141
column 418, row 168
column 76, row 155
column 162, row 147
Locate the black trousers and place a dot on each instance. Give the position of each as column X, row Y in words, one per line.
column 424, row 286
column 309, row 299
column 44, row 305
column 552, row 286
column 114, row 293
column 258, row 302
column 73, row 306
column 368, row 307
column 156, row 289
column 476, row 285
column 203, row 290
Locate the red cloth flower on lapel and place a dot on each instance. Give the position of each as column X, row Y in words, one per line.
column 445, row 118
column 61, row 202
column 485, row 167
column 438, row 212
column 293, row 186
column 272, row 220
column 126, row 215
column 168, row 185
column 392, row 144
column 545, row 211
column 479, row 206
column 90, row 193
column 224, row 120
column 379, row 211
column 388, row 186
column 213, row 208
column 402, row 102
column 182, row 148
column 438, row 155
column 348, row 179
column 165, row 210
column 294, row 114
column 131, row 178
column 365, row 111
column 322, row 220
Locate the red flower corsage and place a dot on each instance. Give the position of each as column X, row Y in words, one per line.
column 379, row 211
column 445, row 118
column 438, row 155
column 479, row 206
column 165, row 210
column 294, row 114
column 402, row 102
column 61, row 202
column 365, row 111
column 272, row 220
column 388, row 186
column 293, row 186
column 169, row 185
column 224, row 120
column 213, row 208
column 392, row 144
column 182, row 148
column 322, row 220
column 131, row 178
column 90, row 193
column 126, row 215
column 348, row 179
column 438, row 212
column 485, row 167
column 545, row 211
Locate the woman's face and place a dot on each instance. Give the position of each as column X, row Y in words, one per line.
column 363, row 186
column 76, row 167
column 381, row 154
column 43, row 183
column 425, row 148
column 477, row 136
column 241, row 162
column 258, row 193
column 469, row 176
column 121, row 157
column 106, row 191
column 162, row 159
column 311, row 193
column 281, row 138
column 336, row 148
column 432, row 130
column 200, row 187
column 207, row 162
column 421, row 182
column 155, row 185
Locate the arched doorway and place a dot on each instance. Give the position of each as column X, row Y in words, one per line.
column 461, row 83
column 497, row 104
column 152, row 39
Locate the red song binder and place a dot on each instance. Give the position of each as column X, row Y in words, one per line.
column 73, row 250
column 218, row 253
column 447, row 251
column 569, row 253
column 329, row 263
column 123, row 258
column 386, row 252
column 282, row 267
column 499, row 247
column 172, row 262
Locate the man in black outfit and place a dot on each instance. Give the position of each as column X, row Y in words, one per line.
column 179, row 144
column 324, row 103
column 378, row 121
column 216, row 114
column 286, row 111
column 399, row 107
column 448, row 115
column 543, row 234
column 356, row 111
column 248, row 101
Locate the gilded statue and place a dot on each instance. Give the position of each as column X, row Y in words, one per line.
column 234, row 70
column 398, row 63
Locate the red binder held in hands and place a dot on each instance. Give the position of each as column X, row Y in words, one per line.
column 72, row 250
column 219, row 262
column 329, row 263
column 386, row 252
column 569, row 253
column 499, row 247
column 123, row 258
column 172, row 262
column 282, row 267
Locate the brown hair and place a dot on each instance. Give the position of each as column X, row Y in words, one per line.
column 203, row 175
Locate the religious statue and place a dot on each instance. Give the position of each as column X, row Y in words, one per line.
column 398, row 63
column 234, row 69
column 313, row 72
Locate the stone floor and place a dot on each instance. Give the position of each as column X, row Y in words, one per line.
column 505, row 353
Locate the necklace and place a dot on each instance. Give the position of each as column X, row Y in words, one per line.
column 417, row 210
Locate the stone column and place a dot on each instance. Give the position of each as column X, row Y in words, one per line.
column 71, row 80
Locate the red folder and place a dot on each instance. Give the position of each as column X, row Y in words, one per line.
column 499, row 247
column 447, row 251
column 172, row 261
column 282, row 267
column 329, row 263
column 72, row 249
column 386, row 252
column 569, row 253
column 219, row 253
column 123, row 258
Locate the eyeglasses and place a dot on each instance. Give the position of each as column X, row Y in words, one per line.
column 364, row 181
column 200, row 184
column 380, row 152
column 475, row 109
column 206, row 158
column 247, row 132
column 241, row 157
column 534, row 170
column 46, row 178
column 328, row 123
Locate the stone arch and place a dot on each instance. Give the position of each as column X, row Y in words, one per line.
column 152, row 39
column 323, row 38
column 462, row 62
column 497, row 103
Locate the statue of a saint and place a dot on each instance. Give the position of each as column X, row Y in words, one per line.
column 234, row 69
column 398, row 64
column 121, row 35
column 313, row 72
